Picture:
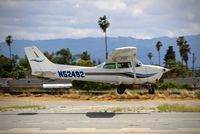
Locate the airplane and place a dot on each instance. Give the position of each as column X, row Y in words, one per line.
column 121, row 68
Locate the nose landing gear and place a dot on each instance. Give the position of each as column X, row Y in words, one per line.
column 121, row 89
column 151, row 89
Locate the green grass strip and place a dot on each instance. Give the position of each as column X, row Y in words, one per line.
column 12, row 108
column 178, row 108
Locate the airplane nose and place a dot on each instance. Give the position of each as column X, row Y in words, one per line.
column 166, row 70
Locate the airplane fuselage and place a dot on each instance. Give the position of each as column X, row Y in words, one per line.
column 144, row 74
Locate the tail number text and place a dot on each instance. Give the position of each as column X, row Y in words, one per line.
column 71, row 74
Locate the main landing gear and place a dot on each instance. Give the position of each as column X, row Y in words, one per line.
column 121, row 89
column 151, row 88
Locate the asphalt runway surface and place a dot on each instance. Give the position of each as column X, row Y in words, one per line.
column 87, row 118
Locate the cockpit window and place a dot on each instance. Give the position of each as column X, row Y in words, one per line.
column 104, row 65
column 110, row 66
column 124, row 65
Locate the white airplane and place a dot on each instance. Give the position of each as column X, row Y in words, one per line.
column 121, row 68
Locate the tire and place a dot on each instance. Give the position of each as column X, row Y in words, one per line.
column 121, row 89
column 151, row 90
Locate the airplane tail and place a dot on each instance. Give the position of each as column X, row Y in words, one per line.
column 38, row 62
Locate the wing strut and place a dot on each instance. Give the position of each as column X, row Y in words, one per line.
column 133, row 63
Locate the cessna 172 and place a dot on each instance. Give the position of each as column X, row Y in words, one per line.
column 121, row 68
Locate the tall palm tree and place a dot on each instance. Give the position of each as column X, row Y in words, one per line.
column 150, row 55
column 184, row 49
column 180, row 42
column 9, row 41
column 158, row 46
column 104, row 24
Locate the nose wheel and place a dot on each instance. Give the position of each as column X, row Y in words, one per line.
column 151, row 89
column 121, row 89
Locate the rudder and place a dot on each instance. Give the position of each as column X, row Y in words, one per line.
column 37, row 60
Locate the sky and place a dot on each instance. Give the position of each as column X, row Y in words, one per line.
column 55, row 19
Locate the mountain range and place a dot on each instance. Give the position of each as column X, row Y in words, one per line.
column 95, row 46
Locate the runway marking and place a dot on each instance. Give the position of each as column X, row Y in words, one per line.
column 98, row 130
column 189, row 129
column 136, row 129
column 106, row 130
column 81, row 130
column 87, row 130
column 24, row 130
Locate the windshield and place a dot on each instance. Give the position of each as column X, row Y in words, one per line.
column 100, row 65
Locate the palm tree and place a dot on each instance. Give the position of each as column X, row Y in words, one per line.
column 150, row 55
column 180, row 41
column 184, row 49
column 158, row 45
column 104, row 24
column 9, row 41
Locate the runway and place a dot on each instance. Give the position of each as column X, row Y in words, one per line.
column 85, row 117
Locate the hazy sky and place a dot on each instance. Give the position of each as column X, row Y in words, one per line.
column 50, row 19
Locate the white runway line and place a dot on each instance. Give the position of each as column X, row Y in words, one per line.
column 80, row 130
column 136, row 129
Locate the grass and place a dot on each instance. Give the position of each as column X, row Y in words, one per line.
column 12, row 108
column 178, row 108
column 160, row 108
column 127, row 109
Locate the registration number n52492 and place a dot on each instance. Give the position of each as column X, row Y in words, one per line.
column 71, row 74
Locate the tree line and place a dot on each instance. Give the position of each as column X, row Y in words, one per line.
column 184, row 51
column 178, row 68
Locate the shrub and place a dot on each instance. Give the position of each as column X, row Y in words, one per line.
column 167, row 85
column 185, row 86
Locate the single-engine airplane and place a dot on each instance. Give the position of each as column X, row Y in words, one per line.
column 121, row 68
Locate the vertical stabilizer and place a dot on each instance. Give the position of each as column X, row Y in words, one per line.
column 38, row 62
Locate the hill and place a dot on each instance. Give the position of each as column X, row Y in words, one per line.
column 95, row 46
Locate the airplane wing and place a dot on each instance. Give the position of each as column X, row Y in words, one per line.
column 122, row 54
